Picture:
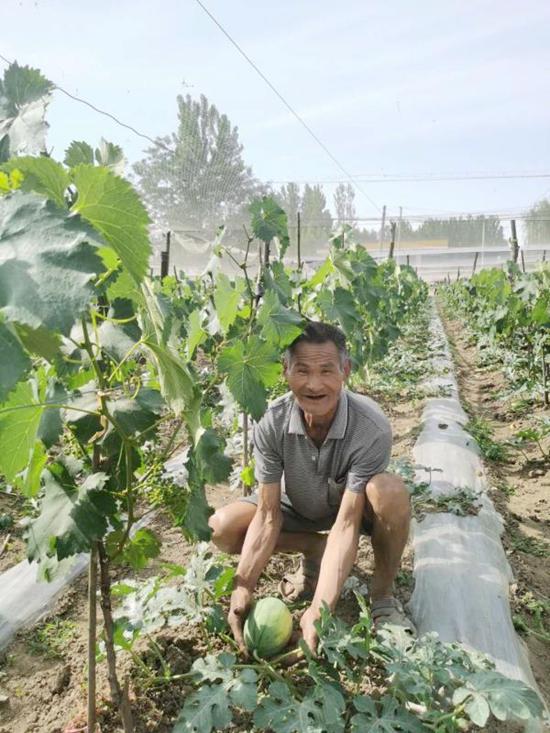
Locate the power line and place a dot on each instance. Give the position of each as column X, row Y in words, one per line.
column 287, row 104
column 428, row 178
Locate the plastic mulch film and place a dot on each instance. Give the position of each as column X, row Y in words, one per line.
column 462, row 575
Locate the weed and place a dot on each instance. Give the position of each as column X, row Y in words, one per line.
column 532, row 616
column 529, row 545
column 503, row 486
column 50, row 639
column 405, row 579
column 483, row 433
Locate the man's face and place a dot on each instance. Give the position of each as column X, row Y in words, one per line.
column 316, row 377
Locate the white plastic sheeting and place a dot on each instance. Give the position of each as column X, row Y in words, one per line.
column 24, row 599
column 462, row 575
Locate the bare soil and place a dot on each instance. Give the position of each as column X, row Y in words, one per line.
column 47, row 694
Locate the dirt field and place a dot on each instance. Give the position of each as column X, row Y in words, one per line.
column 43, row 673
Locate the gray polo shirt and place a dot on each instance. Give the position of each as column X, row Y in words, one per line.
column 357, row 447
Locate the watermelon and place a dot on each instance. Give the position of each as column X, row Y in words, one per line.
column 268, row 628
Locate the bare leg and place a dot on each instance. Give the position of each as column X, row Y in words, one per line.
column 388, row 505
column 230, row 524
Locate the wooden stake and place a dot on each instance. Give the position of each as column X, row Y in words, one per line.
column 392, row 242
column 514, row 241
column 475, row 263
column 165, row 258
column 522, row 261
column 382, row 228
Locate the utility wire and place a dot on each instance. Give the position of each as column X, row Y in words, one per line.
column 435, row 178
column 287, row 104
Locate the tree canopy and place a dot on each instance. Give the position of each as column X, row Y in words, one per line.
column 196, row 179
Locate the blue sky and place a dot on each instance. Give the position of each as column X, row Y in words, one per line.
column 390, row 87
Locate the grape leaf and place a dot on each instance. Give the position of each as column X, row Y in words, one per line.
column 386, row 716
column 79, row 153
column 269, row 221
column 195, row 522
column 143, row 546
column 280, row 325
column 340, row 307
column 39, row 341
column 71, row 517
column 226, row 299
column 118, row 338
column 14, row 363
column 24, row 96
column 111, row 156
column 112, row 206
column 22, row 85
column 42, row 175
column 19, row 421
column 251, row 366
column 176, row 383
column 196, row 335
column 213, row 465
column 47, row 263
column 33, row 471
column 321, row 274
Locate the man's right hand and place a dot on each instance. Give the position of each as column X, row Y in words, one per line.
column 241, row 600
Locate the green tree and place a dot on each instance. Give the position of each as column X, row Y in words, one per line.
column 538, row 223
column 316, row 220
column 196, row 178
column 344, row 205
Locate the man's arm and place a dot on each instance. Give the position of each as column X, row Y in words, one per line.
column 261, row 538
column 337, row 562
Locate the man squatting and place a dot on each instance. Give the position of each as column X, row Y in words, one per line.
column 320, row 457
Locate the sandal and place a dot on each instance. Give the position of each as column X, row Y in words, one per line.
column 391, row 611
column 300, row 585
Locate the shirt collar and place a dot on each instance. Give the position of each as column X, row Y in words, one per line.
column 338, row 426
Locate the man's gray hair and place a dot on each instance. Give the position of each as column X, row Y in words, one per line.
column 317, row 332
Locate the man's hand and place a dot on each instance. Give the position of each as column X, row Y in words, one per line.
column 309, row 632
column 241, row 600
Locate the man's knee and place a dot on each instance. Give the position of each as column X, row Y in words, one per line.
column 229, row 526
column 389, row 498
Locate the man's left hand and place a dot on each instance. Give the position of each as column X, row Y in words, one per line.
column 309, row 632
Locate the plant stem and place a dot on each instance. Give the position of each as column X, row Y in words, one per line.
column 92, row 632
column 119, row 698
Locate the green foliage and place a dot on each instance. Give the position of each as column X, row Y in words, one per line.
column 46, row 277
column 269, row 222
column 24, row 96
column 51, row 638
column 251, row 368
column 482, row 432
column 429, row 686
column 384, row 716
column 71, row 517
column 176, row 177
column 14, row 362
column 111, row 205
column 509, row 315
